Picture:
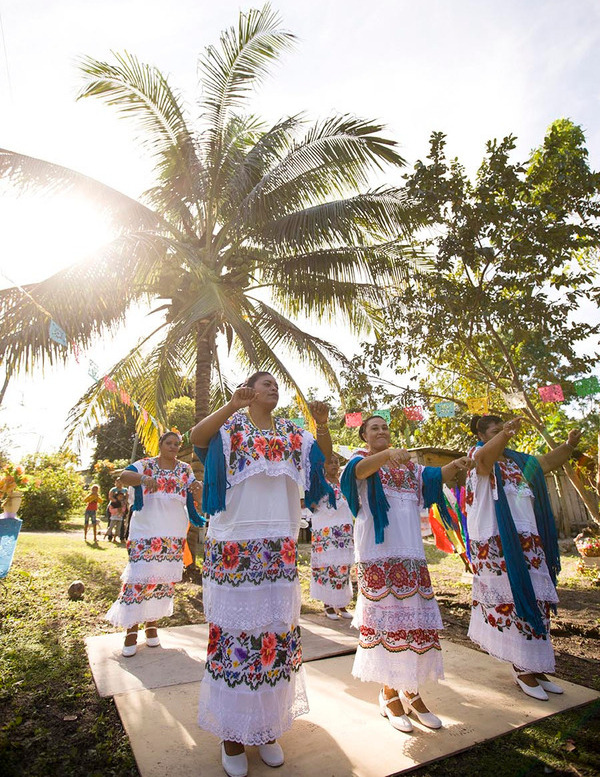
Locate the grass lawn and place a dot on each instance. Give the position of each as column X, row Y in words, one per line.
column 52, row 721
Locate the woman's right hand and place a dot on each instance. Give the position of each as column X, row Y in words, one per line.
column 512, row 427
column 242, row 397
column 149, row 484
column 398, row 456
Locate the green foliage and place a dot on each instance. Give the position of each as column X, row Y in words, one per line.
column 58, row 494
column 180, row 413
column 104, row 473
column 115, row 437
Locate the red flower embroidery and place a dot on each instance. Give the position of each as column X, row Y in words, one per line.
column 237, row 438
column 424, row 578
column 276, row 449
column 288, row 552
column 374, row 577
column 398, row 576
column 295, row 441
column 231, row 555
column 260, row 445
column 267, row 650
column 214, row 635
column 156, row 544
column 505, row 609
column 484, row 551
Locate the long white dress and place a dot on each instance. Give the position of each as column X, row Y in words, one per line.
column 494, row 625
column 396, row 613
column 332, row 552
column 155, row 547
column 253, row 686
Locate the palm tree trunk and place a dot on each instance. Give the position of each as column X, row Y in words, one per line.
column 205, row 351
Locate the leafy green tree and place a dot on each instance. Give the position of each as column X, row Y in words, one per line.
column 115, row 438
column 181, row 413
column 513, row 258
column 246, row 227
column 58, row 491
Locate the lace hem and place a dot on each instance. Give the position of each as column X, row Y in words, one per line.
column 403, row 671
column 397, row 552
column 492, row 590
column 251, row 717
column 330, row 595
column 330, row 557
column 127, row 615
column 528, row 655
column 271, row 468
column 248, row 609
column 413, row 614
column 152, row 572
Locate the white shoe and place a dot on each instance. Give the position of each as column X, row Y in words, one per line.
column 234, row 765
column 129, row 650
column 549, row 686
column 535, row 691
column 343, row 613
column 333, row 616
column 399, row 722
column 272, row 754
column 153, row 641
column 426, row 718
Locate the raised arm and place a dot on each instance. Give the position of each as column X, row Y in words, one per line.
column 370, row 464
column 202, row 433
column 453, row 468
column 320, row 412
column 558, row 456
column 488, row 454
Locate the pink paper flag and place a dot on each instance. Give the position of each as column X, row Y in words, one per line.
column 109, row 383
column 125, row 398
column 145, row 415
column 551, row 393
column 353, row 420
column 414, row 413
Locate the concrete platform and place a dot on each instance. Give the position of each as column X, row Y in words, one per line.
column 343, row 735
column 180, row 658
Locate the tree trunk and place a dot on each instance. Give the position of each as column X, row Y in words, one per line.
column 4, row 387
column 205, row 352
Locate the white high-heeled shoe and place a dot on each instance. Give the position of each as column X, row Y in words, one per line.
column 426, row 718
column 234, row 765
column 152, row 641
column 129, row 650
column 549, row 686
column 399, row 722
column 535, row 691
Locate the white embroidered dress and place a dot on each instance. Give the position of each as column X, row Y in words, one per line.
column 494, row 624
column 155, row 547
column 253, row 686
column 332, row 551
column 396, row 612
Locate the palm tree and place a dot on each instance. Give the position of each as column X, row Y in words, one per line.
column 246, row 227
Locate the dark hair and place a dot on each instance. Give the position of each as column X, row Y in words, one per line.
column 479, row 423
column 363, row 426
column 164, row 436
column 249, row 382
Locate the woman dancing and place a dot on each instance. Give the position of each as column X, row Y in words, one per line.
column 332, row 550
column 396, row 613
column 514, row 551
column 253, row 685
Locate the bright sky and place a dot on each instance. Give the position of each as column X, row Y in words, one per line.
column 475, row 69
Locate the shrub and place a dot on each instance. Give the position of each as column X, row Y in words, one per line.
column 59, row 493
column 181, row 413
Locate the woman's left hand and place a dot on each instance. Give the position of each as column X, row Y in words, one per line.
column 574, row 437
column 195, row 488
column 464, row 463
column 320, row 412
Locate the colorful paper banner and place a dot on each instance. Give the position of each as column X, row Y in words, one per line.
column 57, row 334
column 125, row 398
column 93, row 370
column 414, row 413
column 298, row 421
column 109, row 384
column 552, row 393
column 584, row 387
column 478, row 405
column 515, row 400
column 445, row 409
column 353, row 420
column 385, row 413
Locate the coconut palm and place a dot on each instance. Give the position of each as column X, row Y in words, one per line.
column 246, row 227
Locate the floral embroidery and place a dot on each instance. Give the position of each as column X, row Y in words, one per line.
column 136, row 593
column 332, row 537
column 250, row 561
column 488, row 555
column 169, row 481
column 512, row 478
column 405, row 479
column 155, row 549
column 335, row 577
column 248, row 443
column 397, row 577
column 253, row 660
column 503, row 616
column 416, row 640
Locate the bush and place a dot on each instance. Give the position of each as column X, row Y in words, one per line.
column 59, row 493
column 181, row 413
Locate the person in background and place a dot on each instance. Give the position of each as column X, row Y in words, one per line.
column 116, row 509
column 92, row 501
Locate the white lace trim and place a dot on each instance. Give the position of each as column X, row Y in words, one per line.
column 248, row 609
column 271, row 468
column 330, row 595
column 410, row 614
column 152, row 572
column 331, row 558
column 405, row 671
column 126, row 615
column 534, row 655
column 495, row 589
column 251, row 717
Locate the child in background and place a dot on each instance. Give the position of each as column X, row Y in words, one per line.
column 92, row 500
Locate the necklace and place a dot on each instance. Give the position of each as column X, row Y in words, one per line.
column 258, row 427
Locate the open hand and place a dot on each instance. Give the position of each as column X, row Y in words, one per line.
column 574, row 437
column 463, row 464
column 149, row 484
column 242, row 397
column 320, row 412
column 512, row 427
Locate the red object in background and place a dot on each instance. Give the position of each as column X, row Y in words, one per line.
column 441, row 540
column 353, row 419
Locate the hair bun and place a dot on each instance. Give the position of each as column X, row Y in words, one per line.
column 473, row 424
